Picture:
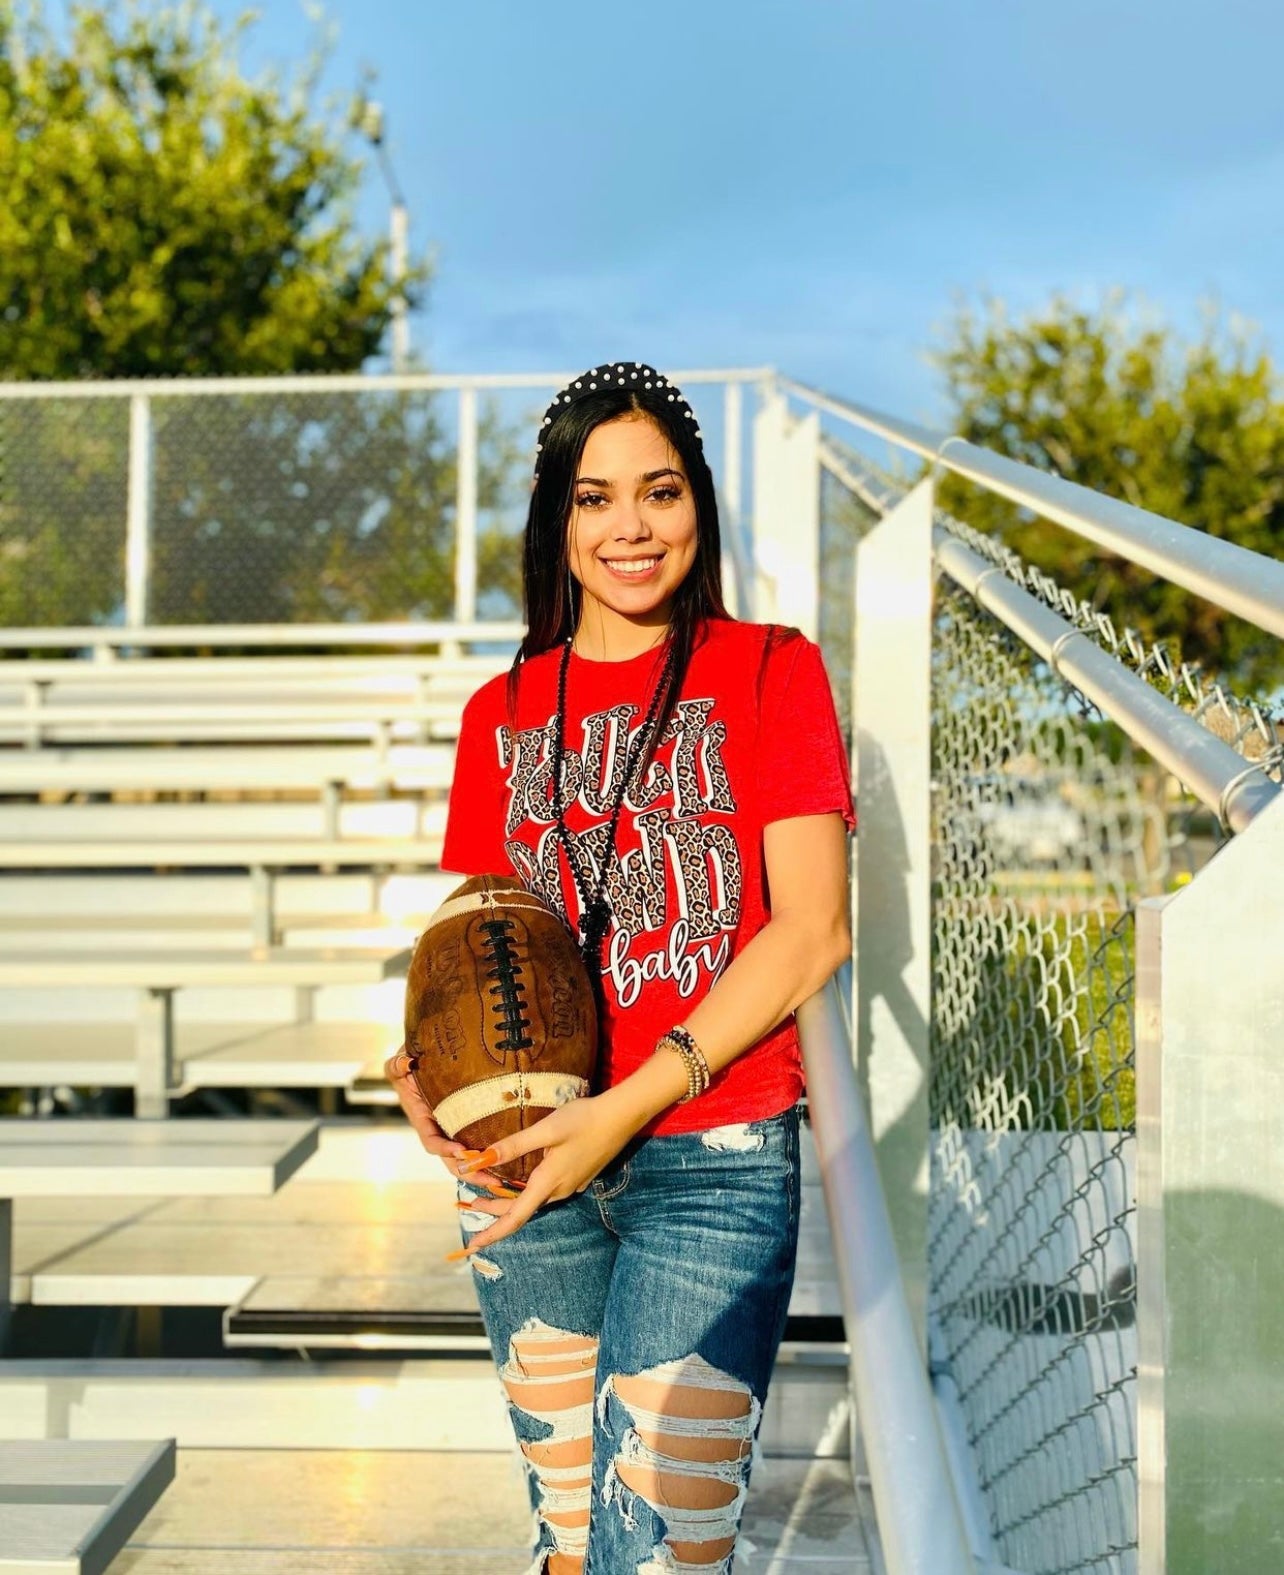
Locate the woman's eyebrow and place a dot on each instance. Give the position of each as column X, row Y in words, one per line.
column 649, row 475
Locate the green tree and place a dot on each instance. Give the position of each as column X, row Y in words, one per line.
column 165, row 214
column 1193, row 431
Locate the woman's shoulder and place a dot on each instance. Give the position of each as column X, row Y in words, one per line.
column 489, row 699
column 738, row 639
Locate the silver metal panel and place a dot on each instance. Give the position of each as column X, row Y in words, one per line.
column 786, row 516
column 466, row 508
column 138, row 522
column 73, row 1504
column 136, row 1158
column 1210, row 1081
column 891, row 708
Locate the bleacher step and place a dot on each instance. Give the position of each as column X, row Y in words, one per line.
column 438, row 1403
column 348, row 1512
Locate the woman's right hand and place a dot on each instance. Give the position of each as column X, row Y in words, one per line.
column 450, row 1151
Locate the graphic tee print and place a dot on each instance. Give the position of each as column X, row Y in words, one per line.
column 754, row 738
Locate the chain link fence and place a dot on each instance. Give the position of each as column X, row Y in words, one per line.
column 257, row 507
column 64, row 485
column 1048, row 826
column 294, row 503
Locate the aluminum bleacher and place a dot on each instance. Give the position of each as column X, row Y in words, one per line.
column 133, row 787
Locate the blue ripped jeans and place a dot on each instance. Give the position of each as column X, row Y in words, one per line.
column 635, row 1326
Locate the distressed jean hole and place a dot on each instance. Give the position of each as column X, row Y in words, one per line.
column 555, row 1366
column 551, row 1345
column 686, row 1447
column 563, row 1564
column 533, row 1363
column 538, row 1397
column 676, row 1490
column 711, row 1553
column 566, row 1519
column 563, row 1452
column 668, row 1397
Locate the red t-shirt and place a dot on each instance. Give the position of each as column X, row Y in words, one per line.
column 754, row 738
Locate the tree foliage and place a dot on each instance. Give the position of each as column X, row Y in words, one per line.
column 165, row 214
column 1192, row 431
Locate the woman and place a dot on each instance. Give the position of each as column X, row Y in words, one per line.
column 655, row 769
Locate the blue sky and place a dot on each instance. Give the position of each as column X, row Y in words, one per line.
column 811, row 183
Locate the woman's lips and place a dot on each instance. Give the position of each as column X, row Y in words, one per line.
column 621, row 570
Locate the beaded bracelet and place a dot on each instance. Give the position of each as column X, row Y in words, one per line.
column 698, row 1073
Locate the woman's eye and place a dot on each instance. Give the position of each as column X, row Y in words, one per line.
column 591, row 500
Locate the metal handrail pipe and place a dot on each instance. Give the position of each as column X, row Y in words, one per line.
column 920, row 1524
column 905, row 434
column 1235, row 788
column 318, row 634
column 334, row 382
column 1246, row 583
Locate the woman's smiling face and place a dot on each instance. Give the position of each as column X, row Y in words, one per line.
column 632, row 532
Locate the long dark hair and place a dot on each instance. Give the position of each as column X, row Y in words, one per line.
column 551, row 598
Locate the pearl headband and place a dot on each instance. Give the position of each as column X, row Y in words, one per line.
column 618, row 375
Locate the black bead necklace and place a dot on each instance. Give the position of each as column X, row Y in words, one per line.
column 595, row 910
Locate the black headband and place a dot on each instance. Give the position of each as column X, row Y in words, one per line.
column 617, row 374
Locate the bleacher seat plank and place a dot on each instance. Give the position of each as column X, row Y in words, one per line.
column 213, row 853
column 70, row 1505
column 174, row 970
column 410, row 637
column 139, row 823
column 321, row 1054
column 149, row 669
column 245, row 768
column 290, row 1055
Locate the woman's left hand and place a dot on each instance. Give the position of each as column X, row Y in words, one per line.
column 578, row 1139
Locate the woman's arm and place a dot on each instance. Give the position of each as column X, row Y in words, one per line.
column 806, row 938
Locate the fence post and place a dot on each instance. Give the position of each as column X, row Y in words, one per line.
column 734, row 591
column 786, row 515
column 891, row 712
column 466, row 509
column 1210, row 1213
column 138, row 520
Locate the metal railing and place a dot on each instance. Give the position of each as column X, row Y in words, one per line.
column 1051, row 812
column 920, row 1522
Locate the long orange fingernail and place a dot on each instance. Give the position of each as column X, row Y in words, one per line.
column 452, row 1257
column 481, row 1160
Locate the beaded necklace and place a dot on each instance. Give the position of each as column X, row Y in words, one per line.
column 595, row 910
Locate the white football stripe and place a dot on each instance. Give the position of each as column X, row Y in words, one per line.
column 509, row 897
column 509, row 1091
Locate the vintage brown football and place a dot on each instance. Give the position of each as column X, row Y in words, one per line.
column 501, row 1024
